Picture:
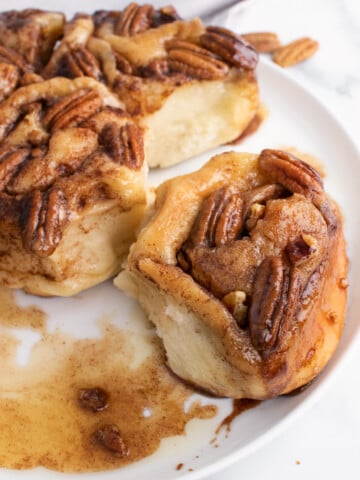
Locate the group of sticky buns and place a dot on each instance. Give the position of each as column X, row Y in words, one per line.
column 235, row 262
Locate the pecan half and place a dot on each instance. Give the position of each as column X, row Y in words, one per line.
column 219, row 220
column 73, row 109
column 230, row 47
column 263, row 42
column 122, row 64
column 125, row 145
column 296, row 175
column 109, row 437
column 295, row 52
column 134, row 19
column 9, row 78
column 78, row 62
column 194, row 62
column 44, row 214
column 8, row 55
column 10, row 160
column 275, row 294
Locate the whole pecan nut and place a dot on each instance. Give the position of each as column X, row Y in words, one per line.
column 220, row 219
column 296, row 175
column 263, row 42
column 44, row 214
column 274, row 299
column 78, row 62
column 195, row 62
column 73, row 109
column 230, row 47
column 125, row 145
column 295, row 52
column 134, row 19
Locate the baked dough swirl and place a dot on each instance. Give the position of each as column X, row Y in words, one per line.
column 247, row 284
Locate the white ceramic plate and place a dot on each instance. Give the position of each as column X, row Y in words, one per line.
column 297, row 119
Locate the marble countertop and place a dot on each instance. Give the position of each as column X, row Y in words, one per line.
column 325, row 440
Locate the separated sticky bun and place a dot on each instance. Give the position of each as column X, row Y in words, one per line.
column 242, row 269
column 190, row 87
column 72, row 186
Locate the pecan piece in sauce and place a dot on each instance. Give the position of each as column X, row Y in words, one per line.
column 194, row 62
column 230, row 47
column 109, row 437
column 275, row 294
column 44, row 214
column 134, row 19
column 73, row 109
column 95, row 399
column 125, row 144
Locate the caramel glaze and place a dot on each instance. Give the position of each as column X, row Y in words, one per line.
column 42, row 422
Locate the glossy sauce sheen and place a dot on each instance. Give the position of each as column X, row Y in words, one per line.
column 42, row 422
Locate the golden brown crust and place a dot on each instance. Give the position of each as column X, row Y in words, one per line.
column 243, row 307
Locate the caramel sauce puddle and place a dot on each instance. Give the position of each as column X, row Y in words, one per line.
column 42, row 422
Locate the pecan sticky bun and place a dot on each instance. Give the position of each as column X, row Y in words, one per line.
column 247, row 286
column 72, row 185
column 193, row 83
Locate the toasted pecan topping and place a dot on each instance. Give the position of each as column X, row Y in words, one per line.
column 122, row 64
column 8, row 55
column 195, row 62
column 134, row 19
column 219, row 220
column 230, row 47
column 73, row 109
column 9, row 78
column 78, row 62
column 10, row 160
column 125, row 145
column 274, row 299
column 44, row 214
column 296, row 175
